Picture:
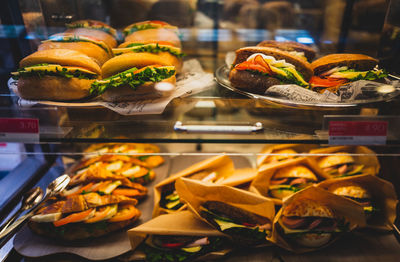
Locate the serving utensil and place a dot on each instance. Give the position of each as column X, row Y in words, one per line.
column 54, row 188
column 29, row 200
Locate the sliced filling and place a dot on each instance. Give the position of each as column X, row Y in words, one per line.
column 343, row 170
column 290, row 183
column 75, row 38
column 268, row 66
column 154, row 48
column 108, row 30
column 334, row 78
column 243, row 228
column 180, row 248
column 133, row 77
column 41, row 70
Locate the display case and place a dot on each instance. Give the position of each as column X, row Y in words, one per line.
column 206, row 116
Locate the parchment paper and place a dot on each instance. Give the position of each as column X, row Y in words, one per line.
column 271, row 149
column 341, row 207
column 383, row 194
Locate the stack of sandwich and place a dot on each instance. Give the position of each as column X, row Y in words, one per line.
column 256, row 68
column 84, row 62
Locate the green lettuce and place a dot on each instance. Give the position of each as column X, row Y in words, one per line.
column 63, row 73
column 151, row 49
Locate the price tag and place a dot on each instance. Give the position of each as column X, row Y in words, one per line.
column 19, row 129
column 357, row 132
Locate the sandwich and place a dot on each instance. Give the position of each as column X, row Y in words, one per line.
column 96, row 29
column 96, row 49
column 84, row 216
column 340, row 165
column 309, row 223
column 290, row 179
column 131, row 76
column 294, row 48
column 177, row 237
column 244, row 227
column 165, row 50
column 56, row 74
column 357, row 193
column 280, row 155
column 256, row 68
column 335, row 70
column 152, row 31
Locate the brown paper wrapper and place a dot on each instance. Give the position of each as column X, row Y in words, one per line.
column 383, row 194
column 182, row 223
column 195, row 193
column 342, row 208
column 240, row 177
column 221, row 164
column 261, row 183
column 367, row 157
column 271, row 149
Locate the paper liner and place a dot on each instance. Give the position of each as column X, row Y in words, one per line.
column 240, row 176
column 221, row 164
column 341, row 207
column 182, row 223
column 271, row 149
column 260, row 184
column 383, row 194
column 195, row 193
column 367, row 157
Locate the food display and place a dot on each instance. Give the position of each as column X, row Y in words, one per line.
column 278, row 153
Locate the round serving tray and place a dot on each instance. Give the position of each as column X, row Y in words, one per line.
column 222, row 78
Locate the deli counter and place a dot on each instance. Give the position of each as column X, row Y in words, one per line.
column 149, row 130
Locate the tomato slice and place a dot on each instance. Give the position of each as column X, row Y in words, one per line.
column 84, row 188
column 102, row 213
column 126, row 192
column 260, row 61
column 257, row 64
column 158, row 22
column 317, row 81
column 125, row 212
column 73, row 218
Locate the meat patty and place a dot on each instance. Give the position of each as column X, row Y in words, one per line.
column 254, row 83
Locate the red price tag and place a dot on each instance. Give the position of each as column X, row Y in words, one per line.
column 19, row 129
column 358, row 132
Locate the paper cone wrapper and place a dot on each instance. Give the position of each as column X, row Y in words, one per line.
column 220, row 164
column 182, row 223
column 383, row 195
column 264, row 156
column 240, row 177
column 195, row 194
column 366, row 157
column 341, row 207
column 260, row 184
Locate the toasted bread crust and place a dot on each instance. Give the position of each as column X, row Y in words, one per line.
column 355, row 61
column 159, row 34
column 299, row 171
column 259, row 83
column 53, row 88
column 290, row 46
column 302, row 66
column 64, row 57
column 307, row 208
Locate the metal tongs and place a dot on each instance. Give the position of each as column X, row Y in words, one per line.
column 32, row 201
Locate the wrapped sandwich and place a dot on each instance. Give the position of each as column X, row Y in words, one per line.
column 213, row 170
column 313, row 218
column 96, row 49
column 342, row 161
column 281, row 152
column 133, row 76
column 56, row 74
column 257, row 68
column 245, row 217
column 335, row 70
column 177, row 237
column 153, row 31
column 377, row 197
column 95, row 29
column 285, row 178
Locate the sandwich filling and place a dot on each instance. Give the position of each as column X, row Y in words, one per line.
column 344, row 170
column 154, row 48
column 90, row 25
column 41, row 70
column 268, row 66
column 154, row 24
column 180, row 248
column 257, row 233
column 133, row 77
column 341, row 75
column 76, row 38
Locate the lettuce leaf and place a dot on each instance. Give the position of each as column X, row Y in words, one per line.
column 63, row 73
column 136, row 28
column 151, row 49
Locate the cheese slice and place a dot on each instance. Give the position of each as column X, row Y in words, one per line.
column 47, row 217
column 296, row 75
column 114, row 166
column 224, row 225
column 131, row 171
